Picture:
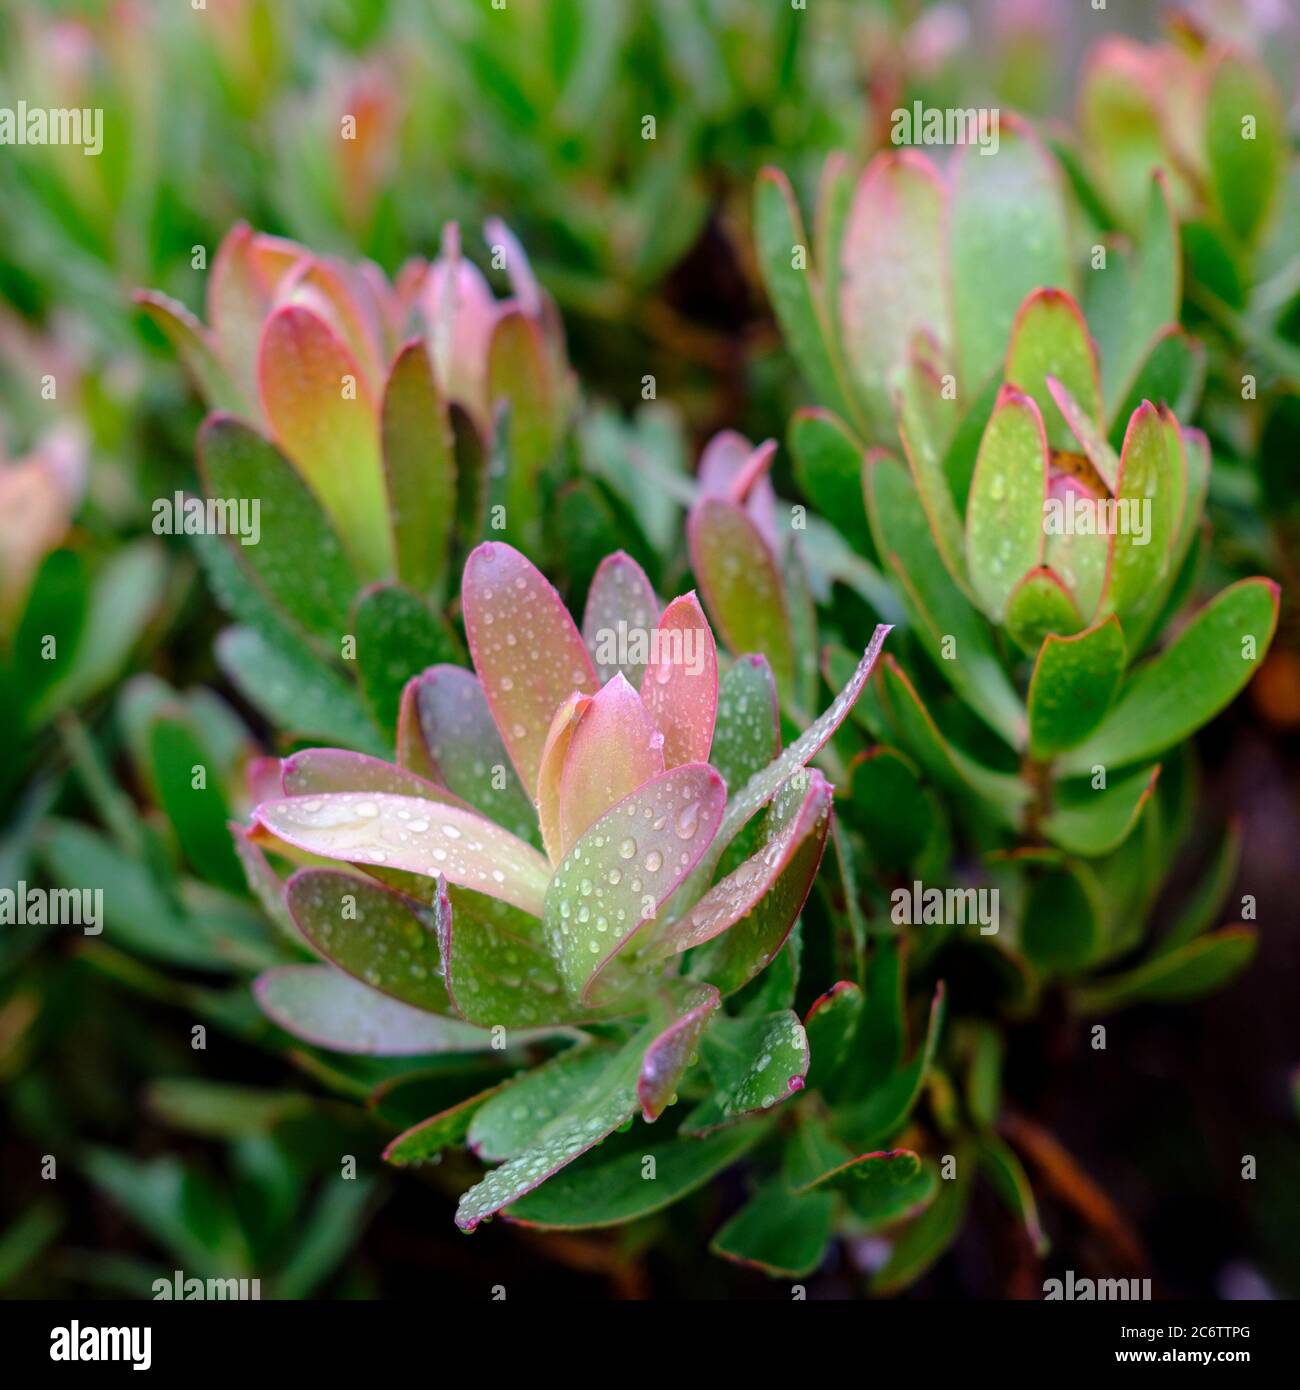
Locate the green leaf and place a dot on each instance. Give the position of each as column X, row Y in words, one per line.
column 796, row 295
column 886, row 1108
column 519, row 372
column 423, row 1142
column 123, row 597
column 1198, row 673
column 1060, row 927
column 398, row 635
column 1005, row 512
column 329, row 1009
column 419, row 469
column 831, row 1026
column 747, row 729
column 497, row 971
column 926, row 1239
column 741, row 584
column 218, row 1110
column 940, row 759
column 297, row 558
column 1007, row 235
column 1051, row 339
column 889, row 806
column 1189, row 972
column 1040, row 606
column 1132, row 301
column 510, row 1121
column 892, row 283
column 1073, row 685
column 624, row 868
column 193, row 344
column 606, row 1188
column 778, row 1231
column 295, row 692
column 1208, row 895
column 609, row 1102
column 1150, row 488
column 1007, row 1174
column 198, row 814
column 1245, row 142
column 371, row 933
column 755, row 1063
column 1094, row 821
column 138, row 914
column 828, row 468
column 936, row 608
column 1172, row 375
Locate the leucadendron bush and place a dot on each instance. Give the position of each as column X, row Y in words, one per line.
column 365, row 435
column 593, row 837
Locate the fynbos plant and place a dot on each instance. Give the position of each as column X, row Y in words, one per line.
column 366, row 451
column 1042, row 534
column 642, row 777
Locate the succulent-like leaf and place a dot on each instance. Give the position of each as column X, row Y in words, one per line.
column 1149, row 482
column 497, row 971
column 1061, row 920
column 397, row 633
column 1196, row 675
column 937, row 609
column 298, row 558
column 526, row 649
column 615, row 747
column 1006, row 236
column 758, row 890
column 924, row 1240
column 754, row 1062
column 828, row 467
column 1050, row 340
column 667, row 1058
column 747, row 731
column 892, row 809
column 463, row 748
column 1245, row 170
column 606, row 1104
column 327, row 1008
column 419, row 469
column 830, row 1024
column 510, row 1122
column 198, row 815
column 1005, row 514
column 1089, row 434
column 626, row 866
column 425, row 1141
column 680, row 689
column 1074, row 683
column 1091, row 820
column 198, row 350
column 607, row 1186
column 741, row 584
column 1198, row 968
column 311, row 771
column 620, row 600
column 404, row 832
column 371, row 933
column 891, row 276
column 797, row 296
column 780, row 1232
column 1040, row 606
column 323, row 416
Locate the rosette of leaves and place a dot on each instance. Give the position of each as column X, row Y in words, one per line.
column 592, row 836
column 378, row 428
column 1207, row 111
column 1050, row 667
